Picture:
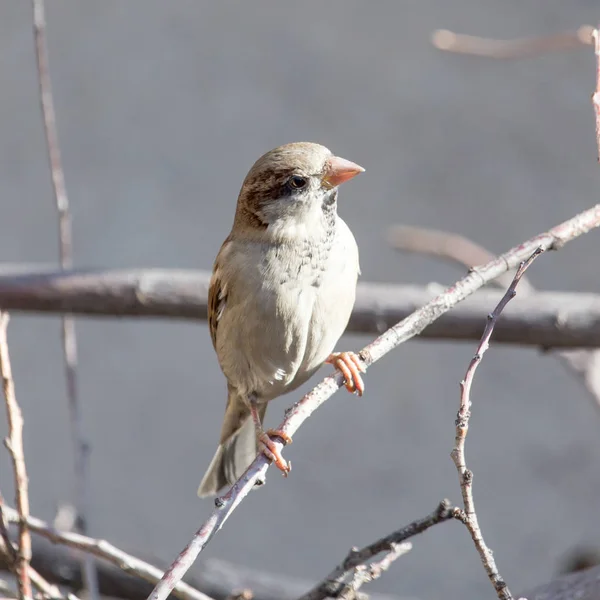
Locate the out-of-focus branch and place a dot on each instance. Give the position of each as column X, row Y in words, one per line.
column 445, row 245
column 61, row 564
column 546, row 320
column 9, row 557
column 14, row 444
column 448, row 41
column 582, row 585
column 465, row 476
column 596, row 95
column 555, row 238
column 336, row 584
column 7, row 551
column 69, row 338
column 105, row 550
column 6, row 590
column 585, row 364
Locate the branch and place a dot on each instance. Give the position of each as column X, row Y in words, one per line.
column 335, row 583
column 105, row 550
column 555, row 238
column 61, row 564
column 69, row 338
column 365, row 574
column 465, row 476
column 445, row 245
column 585, row 364
column 448, row 41
column 14, row 444
column 8, row 551
column 546, row 320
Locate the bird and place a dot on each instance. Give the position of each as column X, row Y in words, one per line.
column 282, row 290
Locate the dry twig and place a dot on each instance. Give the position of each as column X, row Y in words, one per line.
column 14, row 444
column 46, row 589
column 61, row 565
column 69, row 339
column 10, row 552
column 585, row 364
column 335, row 585
column 105, row 550
column 374, row 570
column 460, row 43
column 469, row 516
column 555, row 238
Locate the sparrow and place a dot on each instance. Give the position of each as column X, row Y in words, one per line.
column 282, row 289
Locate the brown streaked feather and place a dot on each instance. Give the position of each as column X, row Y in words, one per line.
column 266, row 179
column 217, row 298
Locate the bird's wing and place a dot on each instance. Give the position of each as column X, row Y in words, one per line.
column 217, row 297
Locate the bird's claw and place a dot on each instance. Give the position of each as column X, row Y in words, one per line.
column 351, row 366
column 269, row 449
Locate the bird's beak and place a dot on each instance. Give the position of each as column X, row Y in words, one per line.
column 340, row 170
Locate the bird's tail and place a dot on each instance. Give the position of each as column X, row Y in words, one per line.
column 235, row 452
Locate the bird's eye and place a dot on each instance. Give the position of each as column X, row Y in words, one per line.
column 297, row 182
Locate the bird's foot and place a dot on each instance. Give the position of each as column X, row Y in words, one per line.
column 351, row 366
column 268, row 448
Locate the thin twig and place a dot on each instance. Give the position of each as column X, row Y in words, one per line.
column 48, row 590
column 218, row 579
column 105, row 550
column 448, row 41
column 585, row 364
column 69, row 339
column 372, row 571
column 10, row 551
column 336, row 582
column 413, row 325
column 469, row 516
column 14, row 444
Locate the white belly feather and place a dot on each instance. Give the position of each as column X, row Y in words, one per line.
column 283, row 331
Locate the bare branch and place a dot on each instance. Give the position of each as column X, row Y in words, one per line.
column 14, row 444
column 105, row 550
column 413, row 325
column 336, row 582
column 546, row 320
column 469, row 516
column 9, row 550
column 61, row 564
column 445, row 245
column 442, row 39
column 365, row 574
column 585, row 364
column 69, row 339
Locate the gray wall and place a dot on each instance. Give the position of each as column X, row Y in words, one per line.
column 162, row 108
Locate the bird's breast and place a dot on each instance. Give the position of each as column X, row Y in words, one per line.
column 283, row 318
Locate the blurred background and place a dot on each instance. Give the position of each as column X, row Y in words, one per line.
column 162, row 108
